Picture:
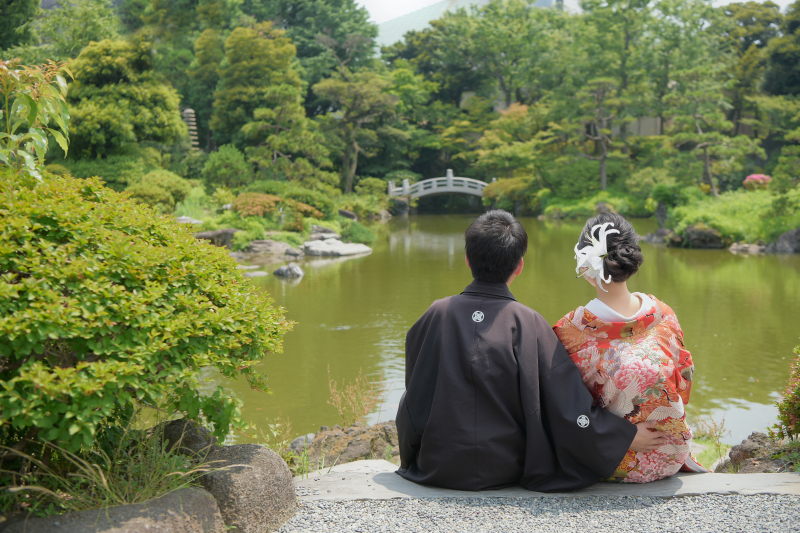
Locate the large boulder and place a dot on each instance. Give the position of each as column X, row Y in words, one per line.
column 788, row 243
column 269, row 247
column 757, row 454
column 702, row 236
column 659, row 236
column 220, row 237
column 188, row 510
column 334, row 248
column 348, row 214
column 344, row 445
column 188, row 437
column 292, row 270
column 746, row 249
column 253, row 487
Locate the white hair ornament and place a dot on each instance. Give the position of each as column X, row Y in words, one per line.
column 591, row 257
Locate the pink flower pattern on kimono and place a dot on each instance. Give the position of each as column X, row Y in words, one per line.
column 646, row 371
column 639, row 370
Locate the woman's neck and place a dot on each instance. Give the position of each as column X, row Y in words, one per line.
column 619, row 298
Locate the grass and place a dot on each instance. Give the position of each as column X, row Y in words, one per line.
column 624, row 204
column 709, row 433
column 133, row 467
column 742, row 216
column 355, row 401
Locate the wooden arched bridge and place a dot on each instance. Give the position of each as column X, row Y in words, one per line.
column 447, row 185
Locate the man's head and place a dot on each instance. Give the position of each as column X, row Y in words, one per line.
column 495, row 243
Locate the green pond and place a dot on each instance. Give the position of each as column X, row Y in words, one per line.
column 739, row 315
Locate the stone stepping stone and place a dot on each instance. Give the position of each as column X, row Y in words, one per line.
column 377, row 480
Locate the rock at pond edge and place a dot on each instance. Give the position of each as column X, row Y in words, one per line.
column 253, row 488
column 292, row 270
column 187, row 510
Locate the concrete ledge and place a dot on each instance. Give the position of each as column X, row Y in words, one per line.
column 377, row 480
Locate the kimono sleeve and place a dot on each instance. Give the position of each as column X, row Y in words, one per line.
column 588, row 441
column 681, row 357
column 421, row 377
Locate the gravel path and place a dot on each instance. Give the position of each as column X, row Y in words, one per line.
column 588, row 514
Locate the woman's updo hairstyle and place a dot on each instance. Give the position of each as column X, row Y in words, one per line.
column 624, row 255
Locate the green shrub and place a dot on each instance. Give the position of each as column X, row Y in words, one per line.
column 58, row 170
column 352, row 231
column 584, row 208
column 160, row 188
column 365, row 207
column 788, row 425
column 117, row 171
column 152, row 195
column 580, row 177
column 372, row 186
column 505, row 193
column 227, row 168
column 741, row 215
column 104, row 305
column 253, row 204
column 293, row 221
column 290, row 191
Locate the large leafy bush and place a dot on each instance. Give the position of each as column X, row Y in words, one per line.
column 789, row 406
column 105, row 305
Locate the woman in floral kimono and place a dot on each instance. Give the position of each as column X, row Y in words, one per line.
column 629, row 349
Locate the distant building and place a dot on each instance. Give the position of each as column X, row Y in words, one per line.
column 393, row 30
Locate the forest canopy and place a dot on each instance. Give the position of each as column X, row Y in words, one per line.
column 625, row 96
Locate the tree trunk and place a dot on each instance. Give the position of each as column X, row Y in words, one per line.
column 350, row 167
column 707, row 172
column 603, row 169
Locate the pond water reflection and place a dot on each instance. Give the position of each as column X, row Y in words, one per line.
column 739, row 316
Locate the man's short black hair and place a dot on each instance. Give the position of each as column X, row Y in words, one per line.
column 495, row 242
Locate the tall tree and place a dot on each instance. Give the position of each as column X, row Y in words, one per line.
column 748, row 29
column 700, row 126
column 258, row 60
column 117, row 100
column 209, row 53
column 343, row 22
column 15, row 19
column 679, row 38
column 783, row 73
column 600, row 106
column 68, row 28
column 620, row 26
column 362, row 101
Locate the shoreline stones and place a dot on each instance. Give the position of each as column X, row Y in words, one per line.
column 334, row 248
column 660, row 236
column 289, row 271
column 788, row 243
column 269, row 247
column 757, row 454
column 256, row 274
column 344, row 445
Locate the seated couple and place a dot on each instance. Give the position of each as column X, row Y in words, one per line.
column 495, row 397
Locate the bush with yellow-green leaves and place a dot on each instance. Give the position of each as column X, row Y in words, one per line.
column 105, row 305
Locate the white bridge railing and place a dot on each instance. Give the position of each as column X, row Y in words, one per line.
column 448, row 184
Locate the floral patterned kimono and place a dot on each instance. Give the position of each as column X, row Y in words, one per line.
column 639, row 370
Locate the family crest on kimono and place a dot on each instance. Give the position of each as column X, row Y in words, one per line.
column 629, row 350
column 492, row 397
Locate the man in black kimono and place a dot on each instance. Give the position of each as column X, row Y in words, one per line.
column 492, row 397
